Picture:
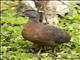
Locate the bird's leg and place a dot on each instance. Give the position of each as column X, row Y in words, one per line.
column 39, row 51
column 54, row 51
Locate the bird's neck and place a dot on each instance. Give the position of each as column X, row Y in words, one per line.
column 33, row 20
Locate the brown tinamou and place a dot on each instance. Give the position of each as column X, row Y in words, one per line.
column 42, row 34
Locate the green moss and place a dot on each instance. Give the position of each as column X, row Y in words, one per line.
column 14, row 47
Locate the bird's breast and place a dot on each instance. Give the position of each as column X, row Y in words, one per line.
column 31, row 32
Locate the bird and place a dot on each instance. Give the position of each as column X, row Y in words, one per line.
column 43, row 34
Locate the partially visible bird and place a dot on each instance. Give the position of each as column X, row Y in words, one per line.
column 42, row 34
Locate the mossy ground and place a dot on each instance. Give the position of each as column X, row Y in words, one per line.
column 14, row 47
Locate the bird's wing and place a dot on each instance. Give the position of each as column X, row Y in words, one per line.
column 54, row 33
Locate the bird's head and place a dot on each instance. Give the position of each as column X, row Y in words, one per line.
column 31, row 14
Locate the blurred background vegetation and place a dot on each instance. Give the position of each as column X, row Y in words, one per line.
column 14, row 47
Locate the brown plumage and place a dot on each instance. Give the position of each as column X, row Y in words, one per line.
column 39, row 33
